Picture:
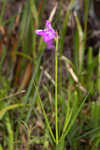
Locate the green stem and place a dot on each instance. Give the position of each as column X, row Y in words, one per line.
column 56, row 89
column 10, row 133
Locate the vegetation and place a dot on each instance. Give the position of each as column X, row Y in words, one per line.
column 48, row 100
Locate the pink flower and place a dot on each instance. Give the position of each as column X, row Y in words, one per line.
column 48, row 35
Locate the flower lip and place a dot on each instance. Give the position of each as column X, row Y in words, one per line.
column 48, row 34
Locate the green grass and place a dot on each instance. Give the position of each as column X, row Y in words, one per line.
column 60, row 107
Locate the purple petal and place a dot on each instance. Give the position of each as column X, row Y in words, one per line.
column 49, row 35
column 48, row 25
column 39, row 32
column 50, row 45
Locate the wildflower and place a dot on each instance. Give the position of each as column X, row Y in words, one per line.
column 48, row 35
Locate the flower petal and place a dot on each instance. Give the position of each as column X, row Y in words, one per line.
column 48, row 35
column 39, row 32
column 50, row 45
column 48, row 25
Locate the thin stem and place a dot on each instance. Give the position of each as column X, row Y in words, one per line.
column 10, row 133
column 56, row 88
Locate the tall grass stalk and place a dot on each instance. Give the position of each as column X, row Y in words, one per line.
column 81, row 43
column 2, row 12
column 1, row 147
column 56, row 88
column 98, row 78
column 10, row 133
column 63, row 32
column 45, row 115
